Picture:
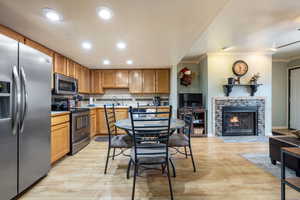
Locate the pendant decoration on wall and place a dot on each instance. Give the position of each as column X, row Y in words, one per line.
column 185, row 76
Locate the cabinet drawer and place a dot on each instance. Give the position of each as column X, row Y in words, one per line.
column 93, row 112
column 59, row 119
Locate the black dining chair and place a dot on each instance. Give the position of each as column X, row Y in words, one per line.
column 183, row 139
column 150, row 139
column 115, row 141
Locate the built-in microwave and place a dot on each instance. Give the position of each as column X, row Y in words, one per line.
column 65, row 85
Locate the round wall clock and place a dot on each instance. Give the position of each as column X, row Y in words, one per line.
column 240, row 68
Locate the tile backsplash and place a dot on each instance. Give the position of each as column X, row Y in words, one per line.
column 123, row 97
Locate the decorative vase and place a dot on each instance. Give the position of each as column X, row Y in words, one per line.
column 231, row 81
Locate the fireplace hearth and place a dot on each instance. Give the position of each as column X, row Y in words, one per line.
column 239, row 120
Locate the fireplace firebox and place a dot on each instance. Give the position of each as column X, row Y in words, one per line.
column 239, row 120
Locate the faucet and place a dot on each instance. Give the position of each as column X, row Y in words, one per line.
column 115, row 100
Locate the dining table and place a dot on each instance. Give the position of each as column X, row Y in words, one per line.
column 125, row 124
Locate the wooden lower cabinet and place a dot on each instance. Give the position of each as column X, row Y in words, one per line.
column 101, row 122
column 60, row 137
column 93, row 123
column 165, row 109
column 121, row 113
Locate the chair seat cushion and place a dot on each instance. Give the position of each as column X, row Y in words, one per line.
column 121, row 141
column 178, row 140
column 151, row 155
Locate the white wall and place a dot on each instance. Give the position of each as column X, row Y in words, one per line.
column 220, row 68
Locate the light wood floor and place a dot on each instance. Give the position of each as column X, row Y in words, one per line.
column 222, row 175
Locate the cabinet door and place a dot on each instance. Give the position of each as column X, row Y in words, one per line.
column 81, row 80
column 101, row 122
column 135, row 81
column 121, row 114
column 96, row 83
column 149, row 81
column 39, row 47
column 87, row 80
column 122, row 78
column 162, row 81
column 93, row 127
column 71, row 68
column 163, row 110
column 60, row 64
column 108, row 78
column 60, row 141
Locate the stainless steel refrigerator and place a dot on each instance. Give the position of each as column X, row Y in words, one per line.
column 25, row 101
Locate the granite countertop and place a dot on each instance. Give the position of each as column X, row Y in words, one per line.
column 58, row 113
column 102, row 106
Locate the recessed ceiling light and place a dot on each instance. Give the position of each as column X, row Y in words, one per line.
column 227, row 48
column 121, row 45
column 129, row 62
column 106, row 62
column 86, row 45
column 52, row 15
column 104, row 13
column 273, row 49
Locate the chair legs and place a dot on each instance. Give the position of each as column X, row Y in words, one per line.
column 128, row 168
column 134, row 180
column 186, row 155
column 114, row 153
column 107, row 158
column 173, row 167
column 170, row 184
column 192, row 157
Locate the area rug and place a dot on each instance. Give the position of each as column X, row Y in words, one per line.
column 244, row 139
column 263, row 161
column 101, row 138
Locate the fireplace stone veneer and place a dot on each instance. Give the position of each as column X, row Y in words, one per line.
column 220, row 102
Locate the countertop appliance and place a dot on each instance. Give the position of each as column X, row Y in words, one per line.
column 156, row 101
column 65, row 85
column 80, row 123
column 25, row 89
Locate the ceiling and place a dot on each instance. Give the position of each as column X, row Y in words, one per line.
column 255, row 25
column 157, row 33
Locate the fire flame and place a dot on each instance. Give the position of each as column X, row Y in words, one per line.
column 234, row 119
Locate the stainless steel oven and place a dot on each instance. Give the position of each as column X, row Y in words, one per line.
column 65, row 85
column 80, row 129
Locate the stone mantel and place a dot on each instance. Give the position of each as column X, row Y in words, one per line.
column 220, row 102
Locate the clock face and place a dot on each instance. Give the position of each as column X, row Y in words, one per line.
column 240, row 68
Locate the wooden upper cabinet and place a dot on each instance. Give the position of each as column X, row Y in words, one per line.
column 96, row 81
column 108, row 78
column 86, row 80
column 39, row 47
column 121, row 79
column 60, row 64
column 12, row 34
column 71, row 70
column 162, row 78
column 81, row 79
column 149, row 81
column 135, row 81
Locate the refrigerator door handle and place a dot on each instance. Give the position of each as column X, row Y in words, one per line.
column 25, row 98
column 17, row 100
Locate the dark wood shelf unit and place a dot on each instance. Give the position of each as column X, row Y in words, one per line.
column 199, row 128
column 253, row 87
column 292, row 182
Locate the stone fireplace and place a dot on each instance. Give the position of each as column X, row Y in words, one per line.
column 239, row 116
column 239, row 120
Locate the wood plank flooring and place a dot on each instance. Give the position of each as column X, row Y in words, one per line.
column 222, row 175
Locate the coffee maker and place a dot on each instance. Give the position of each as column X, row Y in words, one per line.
column 156, row 101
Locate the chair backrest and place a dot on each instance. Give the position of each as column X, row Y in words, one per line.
column 150, row 133
column 110, row 117
column 187, row 129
